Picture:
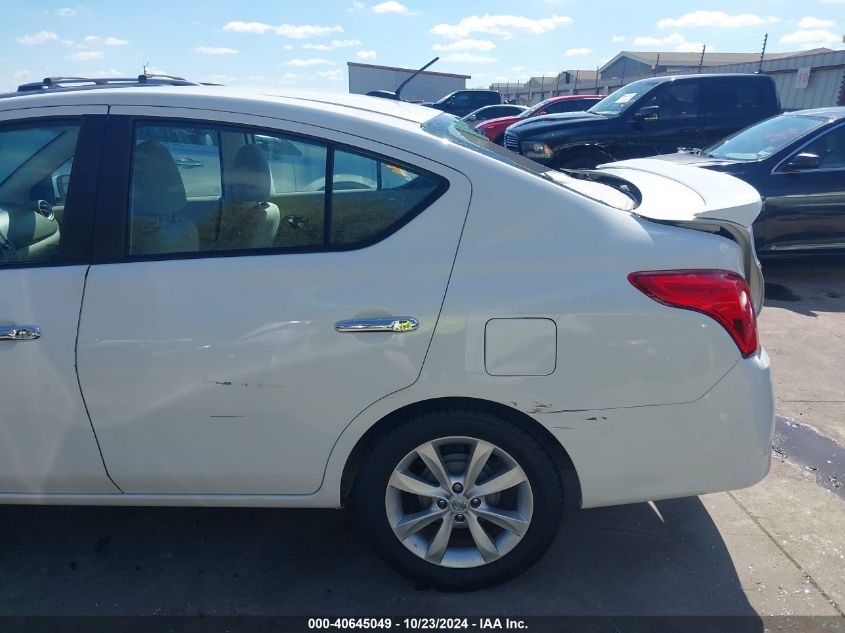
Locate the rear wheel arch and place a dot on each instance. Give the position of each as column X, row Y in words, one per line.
column 566, row 468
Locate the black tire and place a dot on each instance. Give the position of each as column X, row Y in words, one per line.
column 525, row 446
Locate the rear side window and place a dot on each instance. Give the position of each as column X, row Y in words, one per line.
column 741, row 99
column 675, row 101
column 371, row 195
column 204, row 189
column 36, row 167
column 570, row 105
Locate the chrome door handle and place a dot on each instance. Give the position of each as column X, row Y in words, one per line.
column 388, row 324
column 20, row 332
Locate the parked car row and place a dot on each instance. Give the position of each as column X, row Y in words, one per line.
column 726, row 123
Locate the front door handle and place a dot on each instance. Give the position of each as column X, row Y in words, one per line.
column 397, row 325
column 20, row 332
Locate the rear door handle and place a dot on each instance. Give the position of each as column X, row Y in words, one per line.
column 20, row 332
column 397, row 325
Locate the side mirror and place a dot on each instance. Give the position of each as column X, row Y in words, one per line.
column 472, row 117
column 802, row 161
column 648, row 112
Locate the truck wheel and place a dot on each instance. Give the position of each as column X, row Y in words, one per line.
column 459, row 498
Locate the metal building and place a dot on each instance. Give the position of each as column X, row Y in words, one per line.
column 427, row 86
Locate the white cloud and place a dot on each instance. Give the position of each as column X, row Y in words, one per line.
column 507, row 26
column 152, row 70
column 333, row 75
column 41, row 37
column 391, row 6
column 366, row 54
column 296, row 32
column 466, row 45
column 617, row 38
column 108, row 41
column 813, row 38
column 713, row 18
column 288, row 47
column 576, row 52
column 334, row 44
column 21, row 75
column 85, row 56
column 357, row 5
column 212, row 50
column 314, row 61
column 675, row 40
column 469, row 58
column 66, row 12
column 815, row 23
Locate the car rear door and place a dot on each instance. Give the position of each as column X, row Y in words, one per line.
column 215, row 363
column 48, row 171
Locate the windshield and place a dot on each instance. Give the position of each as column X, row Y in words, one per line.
column 764, row 139
column 616, row 102
column 613, row 192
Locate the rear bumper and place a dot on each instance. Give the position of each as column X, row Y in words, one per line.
column 722, row 441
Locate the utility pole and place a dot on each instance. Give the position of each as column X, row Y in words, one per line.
column 763, row 53
column 596, row 89
column 575, row 90
column 701, row 61
column 656, row 65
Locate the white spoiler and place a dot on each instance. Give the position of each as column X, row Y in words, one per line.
column 698, row 194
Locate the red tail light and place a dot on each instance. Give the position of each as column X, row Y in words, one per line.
column 720, row 294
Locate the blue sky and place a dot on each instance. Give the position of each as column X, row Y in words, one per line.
column 307, row 44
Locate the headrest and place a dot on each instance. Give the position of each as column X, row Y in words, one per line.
column 250, row 180
column 157, row 187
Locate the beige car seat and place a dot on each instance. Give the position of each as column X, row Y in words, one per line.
column 158, row 200
column 248, row 220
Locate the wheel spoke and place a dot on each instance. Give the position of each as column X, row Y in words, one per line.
column 503, row 481
column 431, row 456
column 408, row 482
column 412, row 523
column 485, row 545
column 511, row 521
column 480, row 454
column 440, row 543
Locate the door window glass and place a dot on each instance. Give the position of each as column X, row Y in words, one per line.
column 675, row 101
column 371, row 195
column 35, row 172
column 209, row 189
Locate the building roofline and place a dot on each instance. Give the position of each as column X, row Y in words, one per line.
column 409, row 70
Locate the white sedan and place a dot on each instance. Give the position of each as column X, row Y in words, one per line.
column 223, row 298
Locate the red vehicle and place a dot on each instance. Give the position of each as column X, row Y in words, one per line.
column 494, row 129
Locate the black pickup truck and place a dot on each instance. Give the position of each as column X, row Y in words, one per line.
column 647, row 117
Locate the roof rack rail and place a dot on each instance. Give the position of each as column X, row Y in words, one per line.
column 70, row 82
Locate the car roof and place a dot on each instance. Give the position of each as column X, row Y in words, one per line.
column 831, row 114
column 571, row 97
column 666, row 78
column 226, row 98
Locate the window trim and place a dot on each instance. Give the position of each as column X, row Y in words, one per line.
column 112, row 227
column 77, row 229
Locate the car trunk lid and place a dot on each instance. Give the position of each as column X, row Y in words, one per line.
column 698, row 199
